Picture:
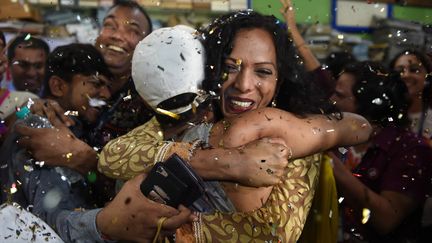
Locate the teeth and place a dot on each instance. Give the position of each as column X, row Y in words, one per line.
column 116, row 48
column 241, row 103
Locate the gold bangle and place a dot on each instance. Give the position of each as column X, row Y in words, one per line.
column 197, row 228
column 159, row 227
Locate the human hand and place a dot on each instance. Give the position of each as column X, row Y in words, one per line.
column 51, row 110
column 58, row 147
column 263, row 163
column 336, row 162
column 288, row 12
column 133, row 217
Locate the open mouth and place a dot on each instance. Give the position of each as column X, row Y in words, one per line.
column 116, row 49
column 236, row 105
column 242, row 104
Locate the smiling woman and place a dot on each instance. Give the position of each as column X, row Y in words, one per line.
column 251, row 73
column 414, row 67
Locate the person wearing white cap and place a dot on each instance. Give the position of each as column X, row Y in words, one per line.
column 168, row 68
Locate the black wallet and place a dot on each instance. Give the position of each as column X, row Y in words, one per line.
column 173, row 182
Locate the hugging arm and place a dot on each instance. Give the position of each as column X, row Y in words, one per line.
column 137, row 151
column 303, row 136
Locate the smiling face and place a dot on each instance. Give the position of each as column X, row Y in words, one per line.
column 122, row 29
column 81, row 90
column 413, row 73
column 28, row 68
column 252, row 73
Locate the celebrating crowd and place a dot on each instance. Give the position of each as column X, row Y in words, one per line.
column 283, row 150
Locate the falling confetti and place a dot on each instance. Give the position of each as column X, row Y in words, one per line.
column 365, row 215
column 128, row 97
column 27, row 37
column 13, row 188
column 71, row 113
column 94, row 102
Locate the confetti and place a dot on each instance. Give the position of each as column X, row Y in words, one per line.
column 71, row 113
column 94, row 102
column 28, row 168
column 91, row 177
column 366, row 215
column 27, row 37
column 377, row 101
column 68, row 156
column 128, row 97
column 13, row 188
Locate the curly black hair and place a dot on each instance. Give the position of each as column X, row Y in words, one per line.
column 294, row 92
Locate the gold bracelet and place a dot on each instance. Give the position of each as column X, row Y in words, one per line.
column 197, row 228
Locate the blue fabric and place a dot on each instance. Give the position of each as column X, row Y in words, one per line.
column 58, row 195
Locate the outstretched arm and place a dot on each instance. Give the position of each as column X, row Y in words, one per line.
column 303, row 136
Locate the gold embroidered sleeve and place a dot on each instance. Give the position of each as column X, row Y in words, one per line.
column 137, row 151
column 281, row 218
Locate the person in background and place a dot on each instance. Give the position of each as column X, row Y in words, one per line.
column 27, row 57
column 318, row 74
column 385, row 192
column 3, row 59
column 10, row 100
column 125, row 24
column 336, row 61
column 414, row 68
column 77, row 78
column 3, row 91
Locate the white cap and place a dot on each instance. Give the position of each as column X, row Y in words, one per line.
column 168, row 62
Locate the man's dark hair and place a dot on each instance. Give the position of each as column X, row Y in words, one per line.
column 26, row 41
column 336, row 61
column 69, row 60
column 133, row 5
column 380, row 97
